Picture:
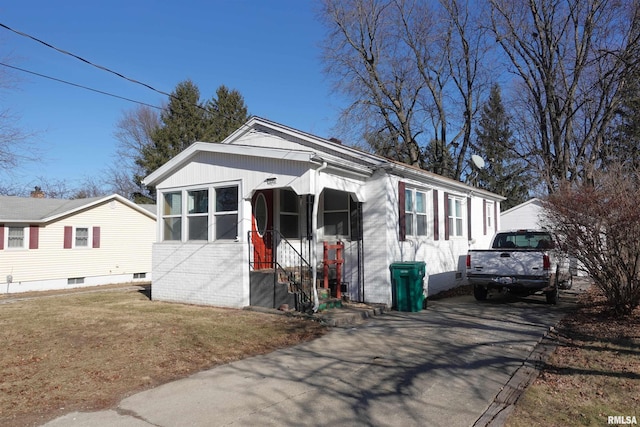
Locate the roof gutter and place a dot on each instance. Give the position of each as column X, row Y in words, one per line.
column 420, row 175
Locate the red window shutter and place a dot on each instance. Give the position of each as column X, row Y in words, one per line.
column 96, row 237
column 402, row 219
column 446, row 216
column 484, row 216
column 68, row 236
column 34, row 236
column 1, row 236
column 469, row 218
column 436, row 222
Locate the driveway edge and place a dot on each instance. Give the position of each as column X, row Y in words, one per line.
column 504, row 403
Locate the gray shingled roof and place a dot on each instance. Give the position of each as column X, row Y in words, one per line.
column 29, row 209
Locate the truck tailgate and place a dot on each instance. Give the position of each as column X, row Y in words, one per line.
column 506, row 262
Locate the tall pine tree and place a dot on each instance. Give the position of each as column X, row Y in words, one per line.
column 503, row 173
column 227, row 112
column 186, row 120
column 183, row 122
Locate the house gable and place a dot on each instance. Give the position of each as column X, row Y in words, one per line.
column 114, row 245
column 527, row 215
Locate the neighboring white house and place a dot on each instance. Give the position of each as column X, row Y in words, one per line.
column 50, row 244
column 531, row 215
column 268, row 197
column 528, row 215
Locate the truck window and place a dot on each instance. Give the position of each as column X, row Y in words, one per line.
column 523, row 240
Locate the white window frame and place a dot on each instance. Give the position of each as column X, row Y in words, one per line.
column 189, row 215
column 212, row 214
column 164, row 216
column 412, row 214
column 489, row 214
column 25, row 237
column 89, row 244
column 456, row 223
column 219, row 214
column 346, row 233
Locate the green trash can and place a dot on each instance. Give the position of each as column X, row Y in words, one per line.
column 407, row 279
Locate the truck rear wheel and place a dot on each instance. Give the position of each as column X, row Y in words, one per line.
column 480, row 292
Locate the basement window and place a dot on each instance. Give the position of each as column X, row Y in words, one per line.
column 75, row 280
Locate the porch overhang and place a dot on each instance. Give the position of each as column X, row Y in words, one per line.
column 301, row 186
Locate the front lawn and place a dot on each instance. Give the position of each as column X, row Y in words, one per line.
column 85, row 351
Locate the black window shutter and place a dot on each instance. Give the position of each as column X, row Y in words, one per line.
column 469, row 218
column 436, row 222
column 446, row 216
column 484, row 216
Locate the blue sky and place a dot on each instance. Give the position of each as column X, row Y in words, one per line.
column 268, row 50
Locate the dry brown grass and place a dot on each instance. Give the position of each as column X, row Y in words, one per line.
column 87, row 350
column 594, row 372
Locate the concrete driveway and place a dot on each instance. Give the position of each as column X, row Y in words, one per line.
column 442, row 366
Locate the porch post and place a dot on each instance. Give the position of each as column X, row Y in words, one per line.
column 314, row 234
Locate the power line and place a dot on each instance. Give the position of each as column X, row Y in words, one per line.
column 78, row 85
column 171, row 96
column 84, row 60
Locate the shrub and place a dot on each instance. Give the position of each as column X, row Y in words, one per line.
column 599, row 223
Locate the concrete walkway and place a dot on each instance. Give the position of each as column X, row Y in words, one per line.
column 443, row 366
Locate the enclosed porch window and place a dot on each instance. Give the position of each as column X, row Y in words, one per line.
column 172, row 216
column 226, row 215
column 289, row 214
column 193, row 218
column 336, row 212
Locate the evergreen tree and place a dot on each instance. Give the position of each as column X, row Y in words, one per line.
column 186, row 120
column 438, row 159
column 183, row 122
column 503, row 173
column 227, row 112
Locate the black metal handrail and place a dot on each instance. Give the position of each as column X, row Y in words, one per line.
column 287, row 263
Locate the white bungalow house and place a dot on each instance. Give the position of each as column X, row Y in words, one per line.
column 245, row 221
column 48, row 244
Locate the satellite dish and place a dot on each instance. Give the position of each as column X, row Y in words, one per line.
column 478, row 161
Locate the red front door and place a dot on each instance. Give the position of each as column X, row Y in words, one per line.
column 261, row 229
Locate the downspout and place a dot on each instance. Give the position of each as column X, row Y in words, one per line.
column 314, row 236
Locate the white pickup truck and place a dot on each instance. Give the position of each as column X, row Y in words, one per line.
column 524, row 262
